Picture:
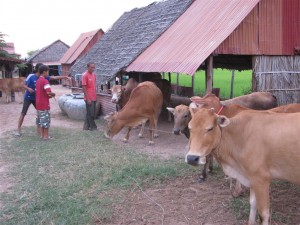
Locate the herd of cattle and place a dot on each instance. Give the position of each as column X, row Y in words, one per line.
column 253, row 139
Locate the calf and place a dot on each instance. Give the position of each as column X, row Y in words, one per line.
column 253, row 147
column 121, row 94
column 9, row 85
column 144, row 104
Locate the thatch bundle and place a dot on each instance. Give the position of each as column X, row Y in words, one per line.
column 279, row 75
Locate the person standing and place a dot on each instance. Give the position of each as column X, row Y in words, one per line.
column 43, row 94
column 29, row 96
column 89, row 90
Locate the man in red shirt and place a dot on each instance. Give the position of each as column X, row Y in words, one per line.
column 89, row 90
column 43, row 93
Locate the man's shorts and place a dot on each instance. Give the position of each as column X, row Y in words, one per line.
column 26, row 105
column 43, row 118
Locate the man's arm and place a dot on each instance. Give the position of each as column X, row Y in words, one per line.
column 50, row 94
column 25, row 85
column 88, row 100
column 60, row 78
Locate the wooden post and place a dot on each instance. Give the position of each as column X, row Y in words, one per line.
column 177, row 83
column 193, row 82
column 254, row 81
column 232, row 83
column 209, row 75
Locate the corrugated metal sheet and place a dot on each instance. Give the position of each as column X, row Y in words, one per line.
column 81, row 46
column 198, row 32
column 291, row 26
column 270, row 27
column 244, row 39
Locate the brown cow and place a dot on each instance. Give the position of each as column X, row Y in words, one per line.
column 253, row 147
column 212, row 101
column 136, row 111
column 9, row 85
column 182, row 116
column 255, row 100
column 121, row 94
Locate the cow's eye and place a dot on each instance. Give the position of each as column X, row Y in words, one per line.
column 209, row 129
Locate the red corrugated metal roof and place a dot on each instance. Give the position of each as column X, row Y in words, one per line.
column 193, row 36
column 78, row 47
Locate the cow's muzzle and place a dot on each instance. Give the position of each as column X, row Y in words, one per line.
column 195, row 160
column 176, row 131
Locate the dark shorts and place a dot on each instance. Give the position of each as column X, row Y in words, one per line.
column 43, row 118
column 26, row 105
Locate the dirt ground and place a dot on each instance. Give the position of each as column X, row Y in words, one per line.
column 175, row 202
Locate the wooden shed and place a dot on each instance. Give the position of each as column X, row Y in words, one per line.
column 50, row 56
column 80, row 47
column 261, row 35
column 129, row 36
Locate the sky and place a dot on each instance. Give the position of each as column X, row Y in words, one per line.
column 34, row 24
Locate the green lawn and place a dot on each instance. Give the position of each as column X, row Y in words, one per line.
column 222, row 80
column 72, row 180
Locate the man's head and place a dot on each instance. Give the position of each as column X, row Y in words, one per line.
column 37, row 66
column 43, row 70
column 90, row 67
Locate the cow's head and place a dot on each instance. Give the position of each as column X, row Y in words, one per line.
column 182, row 117
column 116, row 92
column 208, row 101
column 113, row 127
column 205, row 134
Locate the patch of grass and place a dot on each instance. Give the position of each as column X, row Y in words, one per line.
column 221, row 79
column 283, row 207
column 75, row 178
column 241, row 207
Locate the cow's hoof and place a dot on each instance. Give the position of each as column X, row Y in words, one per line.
column 201, row 179
column 237, row 193
column 125, row 140
column 155, row 135
column 141, row 136
column 151, row 142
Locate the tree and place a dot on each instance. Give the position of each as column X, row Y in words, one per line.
column 32, row 52
column 4, row 53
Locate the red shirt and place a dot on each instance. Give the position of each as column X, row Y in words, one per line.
column 89, row 81
column 42, row 99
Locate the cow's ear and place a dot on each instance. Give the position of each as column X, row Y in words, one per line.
column 193, row 110
column 198, row 100
column 223, row 121
column 171, row 110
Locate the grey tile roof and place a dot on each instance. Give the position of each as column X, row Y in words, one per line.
column 51, row 53
column 129, row 36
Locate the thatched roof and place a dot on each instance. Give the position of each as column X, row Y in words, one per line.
column 50, row 55
column 129, row 36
